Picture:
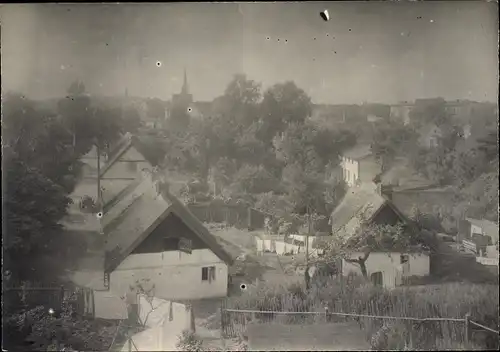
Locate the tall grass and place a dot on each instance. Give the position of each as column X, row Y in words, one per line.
column 353, row 295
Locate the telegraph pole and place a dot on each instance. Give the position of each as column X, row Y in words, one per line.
column 307, row 236
column 98, row 176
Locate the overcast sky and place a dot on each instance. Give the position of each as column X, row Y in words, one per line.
column 377, row 52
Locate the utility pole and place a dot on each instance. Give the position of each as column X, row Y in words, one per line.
column 307, row 236
column 98, row 176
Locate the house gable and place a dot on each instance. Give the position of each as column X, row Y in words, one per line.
column 387, row 215
column 142, row 215
column 132, row 154
column 171, row 227
column 126, row 166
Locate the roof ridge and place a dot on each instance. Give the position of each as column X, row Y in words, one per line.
column 120, row 149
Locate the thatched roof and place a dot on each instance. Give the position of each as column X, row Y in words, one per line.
column 140, row 214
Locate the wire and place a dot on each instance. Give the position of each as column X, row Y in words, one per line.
column 346, row 314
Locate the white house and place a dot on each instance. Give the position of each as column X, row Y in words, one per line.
column 359, row 165
column 429, row 136
column 123, row 165
column 368, row 203
column 118, row 170
column 485, row 228
column 151, row 236
column 154, row 236
column 388, row 269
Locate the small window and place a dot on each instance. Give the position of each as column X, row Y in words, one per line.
column 404, row 258
column 170, row 244
column 208, row 273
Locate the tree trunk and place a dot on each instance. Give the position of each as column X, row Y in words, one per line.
column 362, row 266
column 361, row 261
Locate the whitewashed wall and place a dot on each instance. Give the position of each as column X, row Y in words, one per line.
column 164, row 325
column 390, row 266
column 176, row 275
column 283, row 248
column 492, row 252
column 353, row 167
column 475, row 229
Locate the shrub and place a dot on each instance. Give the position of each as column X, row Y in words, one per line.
column 189, row 341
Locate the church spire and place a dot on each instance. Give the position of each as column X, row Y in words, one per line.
column 185, row 88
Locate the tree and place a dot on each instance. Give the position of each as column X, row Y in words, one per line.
column 428, row 111
column 307, row 152
column 131, row 120
column 479, row 199
column 155, row 109
column 254, row 180
column 33, row 207
column 391, row 140
column 241, row 99
column 38, row 138
column 283, row 104
column 373, row 237
column 489, row 146
column 76, row 113
column 106, row 126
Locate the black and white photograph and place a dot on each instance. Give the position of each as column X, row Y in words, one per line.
column 250, row 176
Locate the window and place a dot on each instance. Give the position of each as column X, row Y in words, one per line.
column 404, row 258
column 348, row 175
column 208, row 273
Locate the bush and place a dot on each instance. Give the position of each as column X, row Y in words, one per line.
column 355, row 296
column 36, row 329
column 189, row 341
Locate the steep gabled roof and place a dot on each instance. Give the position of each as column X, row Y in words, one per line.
column 142, row 215
column 358, row 204
column 120, row 148
column 358, row 152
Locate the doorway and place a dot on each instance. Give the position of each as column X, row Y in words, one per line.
column 377, row 278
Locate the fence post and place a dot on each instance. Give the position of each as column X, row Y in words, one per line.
column 62, row 294
column 467, row 329
column 222, row 323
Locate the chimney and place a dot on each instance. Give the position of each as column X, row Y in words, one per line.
column 386, row 191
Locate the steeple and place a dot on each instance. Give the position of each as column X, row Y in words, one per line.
column 185, row 88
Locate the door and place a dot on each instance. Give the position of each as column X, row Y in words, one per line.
column 377, row 278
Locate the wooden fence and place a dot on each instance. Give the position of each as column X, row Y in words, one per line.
column 469, row 246
column 232, row 326
column 240, row 216
column 30, row 295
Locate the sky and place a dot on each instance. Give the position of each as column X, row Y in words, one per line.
column 367, row 52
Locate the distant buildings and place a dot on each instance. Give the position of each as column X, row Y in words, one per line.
column 359, row 165
column 462, row 110
column 401, row 112
column 429, row 136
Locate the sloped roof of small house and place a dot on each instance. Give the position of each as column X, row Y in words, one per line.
column 401, row 175
column 359, row 203
column 358, row 152
column 142, row 215
column 489, row 228
column 128, row 141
